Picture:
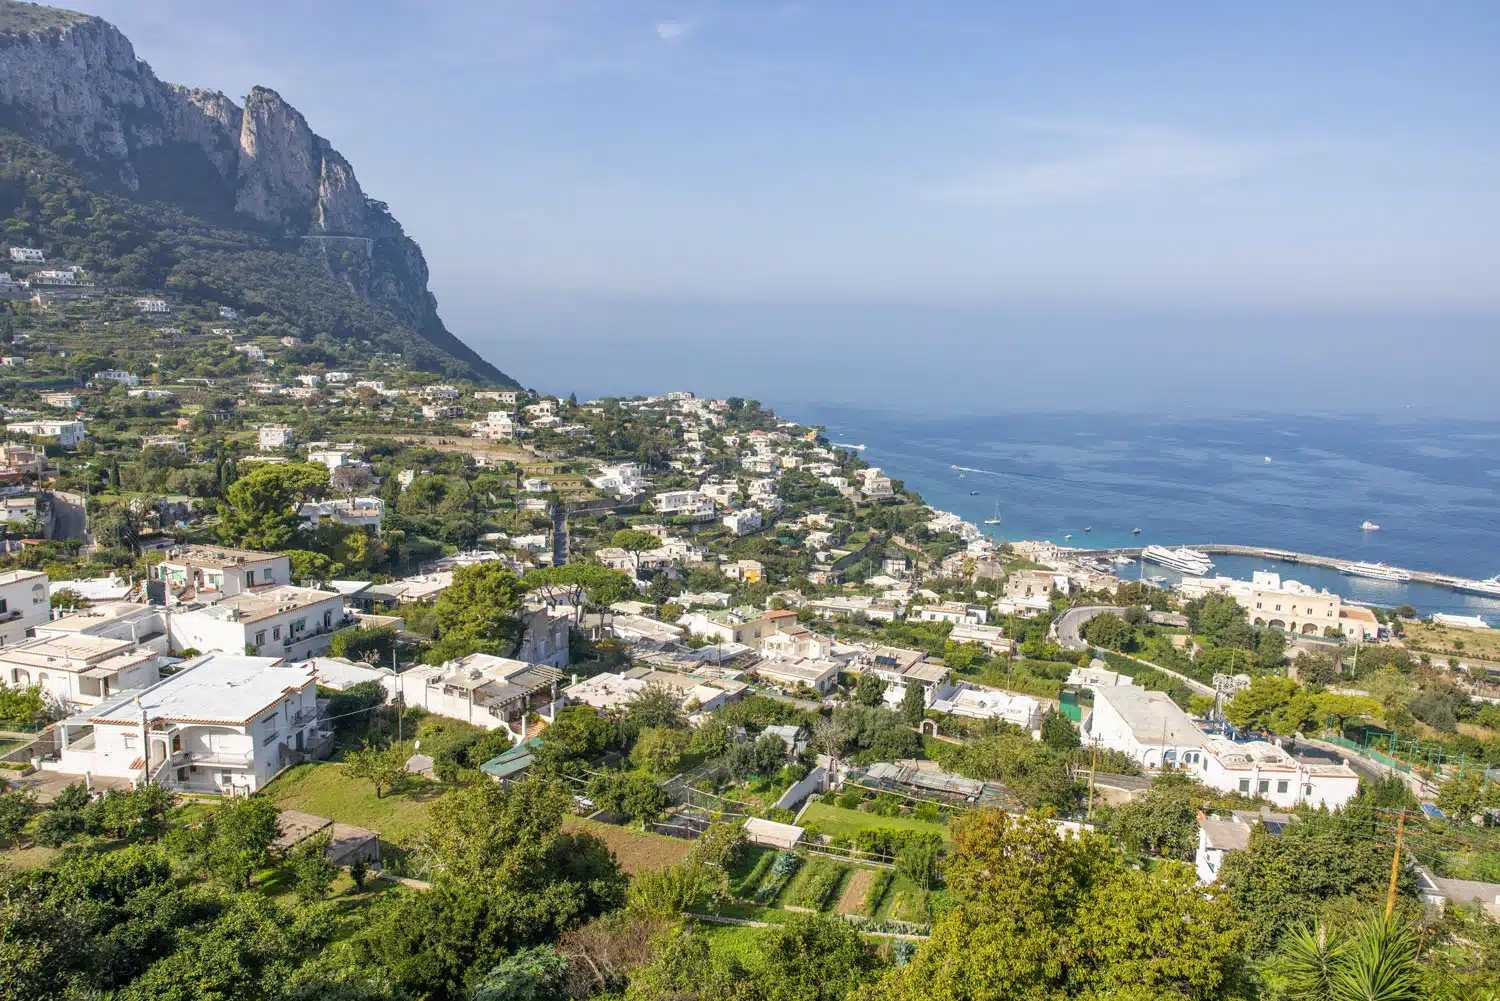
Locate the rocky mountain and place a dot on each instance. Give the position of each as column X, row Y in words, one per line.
column 73, row 84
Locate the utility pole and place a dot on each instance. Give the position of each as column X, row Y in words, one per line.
column 1390, row 894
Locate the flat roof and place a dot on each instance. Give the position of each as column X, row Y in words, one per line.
column 222, row 688
column 802, row 670
column 1152, row 717
column 254, row 606
column 218, row 556
column 17, row 576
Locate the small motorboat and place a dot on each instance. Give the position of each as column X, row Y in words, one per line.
column 1268, row 460
column 973, row 493
column 1369, row 526
column 1135, row 531
column 1088, row 528
column 1065, row 537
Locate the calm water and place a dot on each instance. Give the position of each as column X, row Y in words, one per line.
column 1432, row 485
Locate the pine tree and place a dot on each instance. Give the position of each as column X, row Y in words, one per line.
column 914, row 703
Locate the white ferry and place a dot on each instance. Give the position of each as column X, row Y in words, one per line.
column 1489, row 587
column 1376, row 571
column 1183, row 560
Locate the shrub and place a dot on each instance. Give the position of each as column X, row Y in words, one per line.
column 818, row 882
column 748, row 885
column 782, row 870
column 876, row 891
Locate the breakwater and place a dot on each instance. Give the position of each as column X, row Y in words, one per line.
column 1285, row 556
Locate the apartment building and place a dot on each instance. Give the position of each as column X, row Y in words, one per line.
column 25, row 604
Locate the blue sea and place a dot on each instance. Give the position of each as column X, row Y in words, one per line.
column 1432, row 485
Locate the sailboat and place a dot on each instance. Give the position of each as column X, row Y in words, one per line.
column 996, row 519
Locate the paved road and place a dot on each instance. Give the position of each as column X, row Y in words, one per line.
column 1065, row 628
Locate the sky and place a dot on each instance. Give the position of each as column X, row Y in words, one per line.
column 972, row 204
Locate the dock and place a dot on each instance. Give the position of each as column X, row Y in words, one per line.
column 1286, row 556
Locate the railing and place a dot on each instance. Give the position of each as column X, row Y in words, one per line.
column 302, row 716
column 218, row 757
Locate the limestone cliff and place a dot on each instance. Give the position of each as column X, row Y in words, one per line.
column 73, row 83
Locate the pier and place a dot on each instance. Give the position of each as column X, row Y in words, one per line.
column 1286, row 556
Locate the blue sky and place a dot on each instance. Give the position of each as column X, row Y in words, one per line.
column 604, row 172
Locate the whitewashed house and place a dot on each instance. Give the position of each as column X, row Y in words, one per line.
column 1147, row 726
column 25, row 604
column 275, row 436
column 67, row 433
column 79, row 670
column 224, row 724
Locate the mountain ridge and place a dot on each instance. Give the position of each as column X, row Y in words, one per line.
column 72, row 83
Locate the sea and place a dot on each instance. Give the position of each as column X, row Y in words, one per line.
column 1299, row 483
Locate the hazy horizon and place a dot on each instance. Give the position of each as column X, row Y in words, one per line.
column 1127, row 200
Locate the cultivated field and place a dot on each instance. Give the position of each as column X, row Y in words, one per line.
column 636, row 850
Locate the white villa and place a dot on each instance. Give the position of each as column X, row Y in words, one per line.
column 224, row 724
column 79, row 670
column 25, row 604
column 67, row 433
column 488, row 691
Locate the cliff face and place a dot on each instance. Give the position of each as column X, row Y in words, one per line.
column 73, row 83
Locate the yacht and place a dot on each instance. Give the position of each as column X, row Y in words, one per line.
column 1376, row 571
column 996, row 519
column 1183, row 560
column 1135, row 531
column 1369, row 526
column 1489, row 587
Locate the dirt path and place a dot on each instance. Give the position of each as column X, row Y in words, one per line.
column 853, row 900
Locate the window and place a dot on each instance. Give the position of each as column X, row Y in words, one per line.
column 260, row 638
column 1307, row 789
column 1264, row 786
column 1244, row 785
column 276, row 632
column 4, row 607
column 249, row 578
column 1281, row 786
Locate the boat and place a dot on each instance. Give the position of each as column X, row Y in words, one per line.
column 1376, row 571
column 996, row 519
column 1268, row 460
column 1088, row 528
column 1122, row 561
column 1066, row 537
column 1182, row 559
column 1135, row 531
column 1489, row 587
column 1369, row 526
column 857, row 448
column 973, row 493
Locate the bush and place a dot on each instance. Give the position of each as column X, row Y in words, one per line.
column 818, row 882
column 876, row 892
column 748, row 885
column 782, row 869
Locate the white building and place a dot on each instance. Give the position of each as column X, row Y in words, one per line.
column 623, row 479
column 66, row 401
column 149, row 305
column 741, row 522
column 67, row 433
column 276, row 436
column 121, row 376
column 956, row 612
column 149, row 393
column 1147, row 726
column 497, row 425
column 366, row 512
column 79, row 670
column 487, row 691
column 546, row 638
column 819, row 675
column 213, row 572
column 27, row 255
column 848, row 606
column 963, row 699
column 292, row 622
column 1258, row 768
column 613, row 691
column 224, row 724
column 25, row 603
column 164, row 441
column 684, row 504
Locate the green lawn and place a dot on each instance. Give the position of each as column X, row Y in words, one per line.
column 323, row 789
column 839, row 822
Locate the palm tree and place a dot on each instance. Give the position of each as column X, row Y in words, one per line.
column 1375, row 962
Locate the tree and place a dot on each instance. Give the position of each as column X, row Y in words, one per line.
column 634, row 541
column 914, row 703
column 260, row 510
column 1043, row 915
column 575, row 582
column 1162, row 822
column 1467, row 795
column 769, row 751
column 16, row 808
column 660, row 749
column 655, row 706
column 1270, row 704
column 578, row 733
column 869, row 690
column 242, row 832
column 1378, row 960
column 1108, row 631
column 479, row 613
column 634, row 795
column 536, row 974
column 352, row 480
column 1282, row 881
column 673, row 890
column 381, row 767
column 828, row 737
column 311, row 870
column 721, row 846
column 1058, row 732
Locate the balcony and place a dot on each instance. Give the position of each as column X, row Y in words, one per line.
column 238, row 759
column 302, row 716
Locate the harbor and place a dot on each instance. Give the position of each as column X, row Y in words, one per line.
column 1286, row 556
